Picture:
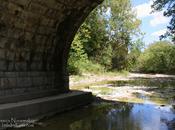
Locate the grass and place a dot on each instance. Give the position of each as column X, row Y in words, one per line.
column 118, row 73
column 86, row 85
column 76, row 78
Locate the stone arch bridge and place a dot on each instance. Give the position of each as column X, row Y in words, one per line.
column 35, row 38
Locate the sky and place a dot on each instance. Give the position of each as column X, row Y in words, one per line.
column 153, row 24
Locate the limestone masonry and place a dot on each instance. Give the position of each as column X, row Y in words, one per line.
column 35, row 37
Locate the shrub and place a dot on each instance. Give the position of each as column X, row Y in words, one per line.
column 78, row 62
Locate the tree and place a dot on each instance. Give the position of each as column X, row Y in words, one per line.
column 169, row 6
column 123, row 24
column 105, row 35
column 135, row 51
column 78, row 57
column 159, row 57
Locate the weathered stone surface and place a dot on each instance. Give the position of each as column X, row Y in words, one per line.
column 35, row 37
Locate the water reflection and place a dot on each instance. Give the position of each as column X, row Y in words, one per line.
column 129, row 117
column 113, row 116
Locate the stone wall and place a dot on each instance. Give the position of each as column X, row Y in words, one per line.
column 35, row 38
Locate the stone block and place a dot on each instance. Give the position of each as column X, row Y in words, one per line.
column 3, row 29
column 2, row 54
column 4, row 5
column 23, row 74
column 14, row 8
column 10, row 75
column 24, row 82
column 12, row 83
column 49, row 3
column 44, row 106
column 38, row 81
column 9, row 55
column 23, row 3
column 2, row 65
column 5, row 83
column 37, row 8
column 3, row 41
column 20, row 66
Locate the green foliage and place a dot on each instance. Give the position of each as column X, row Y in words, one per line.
column 78, row 60
column 135, row 51
column 102, row 41
column 78, row 57
column 158, row 57
column 123, row 25
column 169, row 6
column 93, row 67
column 97, row 46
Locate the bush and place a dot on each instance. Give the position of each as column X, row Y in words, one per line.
column 85, row 67
column 158, row 58
column 78, row 62
column 93, row 67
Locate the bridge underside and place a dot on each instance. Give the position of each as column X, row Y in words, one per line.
column 35, row 38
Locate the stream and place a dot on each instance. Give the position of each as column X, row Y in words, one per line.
column 135, row 104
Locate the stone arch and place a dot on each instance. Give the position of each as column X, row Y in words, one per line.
column 35, row 38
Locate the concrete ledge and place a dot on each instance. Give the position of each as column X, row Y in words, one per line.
column 44, row 106
column 28, row 96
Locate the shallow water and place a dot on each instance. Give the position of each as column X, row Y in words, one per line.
column 111, row 116
column 153, row 110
